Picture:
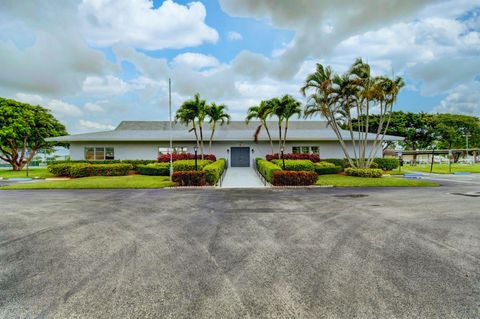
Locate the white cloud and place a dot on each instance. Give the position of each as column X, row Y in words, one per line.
column 137, row 23
column 90, row 125
column 464, row 99
column 59, row 108
column 109, row 85
column 234, row 36
column 196, row 60
column 93, row 107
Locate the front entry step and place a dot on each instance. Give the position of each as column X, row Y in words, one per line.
column 241, row 177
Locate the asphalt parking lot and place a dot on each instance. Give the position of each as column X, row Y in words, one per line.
column 262, row 253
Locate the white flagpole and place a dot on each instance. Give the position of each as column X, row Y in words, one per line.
column 171, row 125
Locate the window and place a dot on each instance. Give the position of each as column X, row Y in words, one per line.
column 89, row 153
column 176, row 150
column 99, row 153
column 306, row 149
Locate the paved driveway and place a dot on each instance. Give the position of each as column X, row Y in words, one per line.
column 262, row 253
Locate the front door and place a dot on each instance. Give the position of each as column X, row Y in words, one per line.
column 240, row 156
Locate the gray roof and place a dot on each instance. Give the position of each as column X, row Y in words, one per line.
column 130, row 131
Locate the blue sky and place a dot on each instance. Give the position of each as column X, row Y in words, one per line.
column 95, row 63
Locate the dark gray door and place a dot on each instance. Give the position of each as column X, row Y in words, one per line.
column 240, row 156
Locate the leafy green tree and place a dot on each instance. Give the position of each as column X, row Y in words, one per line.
column 260, row 112
column 216, row 114
column 451, row 131
column 23, row 130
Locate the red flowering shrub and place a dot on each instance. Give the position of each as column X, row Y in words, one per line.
column 295, row 156
column 185, row 156
column 294, row 178
column 190, row 178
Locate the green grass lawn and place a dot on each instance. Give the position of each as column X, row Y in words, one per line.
column 443, row 168
column 350, row 181
column 98, row 182
column 32, row 172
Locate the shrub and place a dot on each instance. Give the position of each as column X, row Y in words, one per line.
column 83, row 170
column 323, row 168
column 60, row 169
column 189, row 165
column 387, row 164
column 156, row 169
column 364, row 172
column 137, row 162
column 295, row 156
column 190, row 178
column 267, row 169
column 87, row 162
column 295, row 165
column 294, row 178
column 343, row 163
column 186, row 156
column 214, row 170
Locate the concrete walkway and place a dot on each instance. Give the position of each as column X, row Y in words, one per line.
column 241, row 177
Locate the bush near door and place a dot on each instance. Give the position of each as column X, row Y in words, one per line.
column 189, row 165
column 190, row 178
column 267, row 169
column 294, row 178
column 214, row 171
column 295, row 165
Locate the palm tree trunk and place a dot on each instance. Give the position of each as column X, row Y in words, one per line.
column 269, row 136
column 201, row 138
column 279, row 137
column 285, row 134
column 211, row 138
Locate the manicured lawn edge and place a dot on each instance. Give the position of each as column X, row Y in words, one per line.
column 336, row 180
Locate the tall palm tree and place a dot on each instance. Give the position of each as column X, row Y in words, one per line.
column 260, row 112
column 216, row 114
column 186, row 115
column 290, row 107
column 195, row 112
column 278, row 110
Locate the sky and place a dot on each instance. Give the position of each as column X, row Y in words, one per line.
column 95, row 63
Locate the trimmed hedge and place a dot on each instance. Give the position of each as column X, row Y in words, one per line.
column 87, row 162
column 157, row 169
column 215, row 170
column 190, row 178
column 364, row 172
column 86, row 169
column 294, row 178
column 189, row 165
column 387, row 164
column 323, row 168
column 137, row 162
column 296, row 165
column 295, row 156
column 59, row 169
column 186, row 156
column 343, row 163
column 267, row 169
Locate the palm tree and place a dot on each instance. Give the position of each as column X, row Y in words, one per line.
column 216, row 114
column 277, row 109
column 194, row 111
column 260, row 112
column 186, row 115
column 290, row 107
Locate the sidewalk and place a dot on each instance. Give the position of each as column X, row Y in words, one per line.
column 241, row 177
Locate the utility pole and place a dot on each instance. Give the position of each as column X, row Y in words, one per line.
column 171, row 125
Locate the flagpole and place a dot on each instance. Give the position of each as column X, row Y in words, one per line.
column 171, row 126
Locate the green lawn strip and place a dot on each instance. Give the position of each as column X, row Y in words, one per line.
column 350, row 181
column 443, row 168
column 99, row 182
column 32, row 173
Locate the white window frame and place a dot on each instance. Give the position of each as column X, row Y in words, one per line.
column 95, row 153
column 309, row 149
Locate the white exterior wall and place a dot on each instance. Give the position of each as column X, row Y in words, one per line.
column 149, row 150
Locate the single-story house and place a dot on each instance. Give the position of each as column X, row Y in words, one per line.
column 234, row 141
